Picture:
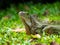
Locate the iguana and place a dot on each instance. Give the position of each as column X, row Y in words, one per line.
column 34, row 26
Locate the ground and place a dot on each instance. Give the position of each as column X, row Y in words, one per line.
column 10, row 21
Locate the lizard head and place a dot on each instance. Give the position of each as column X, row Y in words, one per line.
column 23, row 13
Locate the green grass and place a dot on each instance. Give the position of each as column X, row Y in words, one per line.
column 9, row 20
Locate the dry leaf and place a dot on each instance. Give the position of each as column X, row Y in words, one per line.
column 46, row 12
column 6, row 17
column 41, row 44
column 54, row 43
column 19, row 30
column 26, row 7
column 36, row 36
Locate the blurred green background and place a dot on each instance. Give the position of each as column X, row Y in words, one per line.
column 9, row 20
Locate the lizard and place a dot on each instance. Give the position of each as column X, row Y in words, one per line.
column 34, row 26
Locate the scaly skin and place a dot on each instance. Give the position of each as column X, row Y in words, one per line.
column 34, row 26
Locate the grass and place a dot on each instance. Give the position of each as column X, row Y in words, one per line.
column 10, row 20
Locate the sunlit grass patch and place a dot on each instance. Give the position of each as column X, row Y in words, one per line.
column 10, row 21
